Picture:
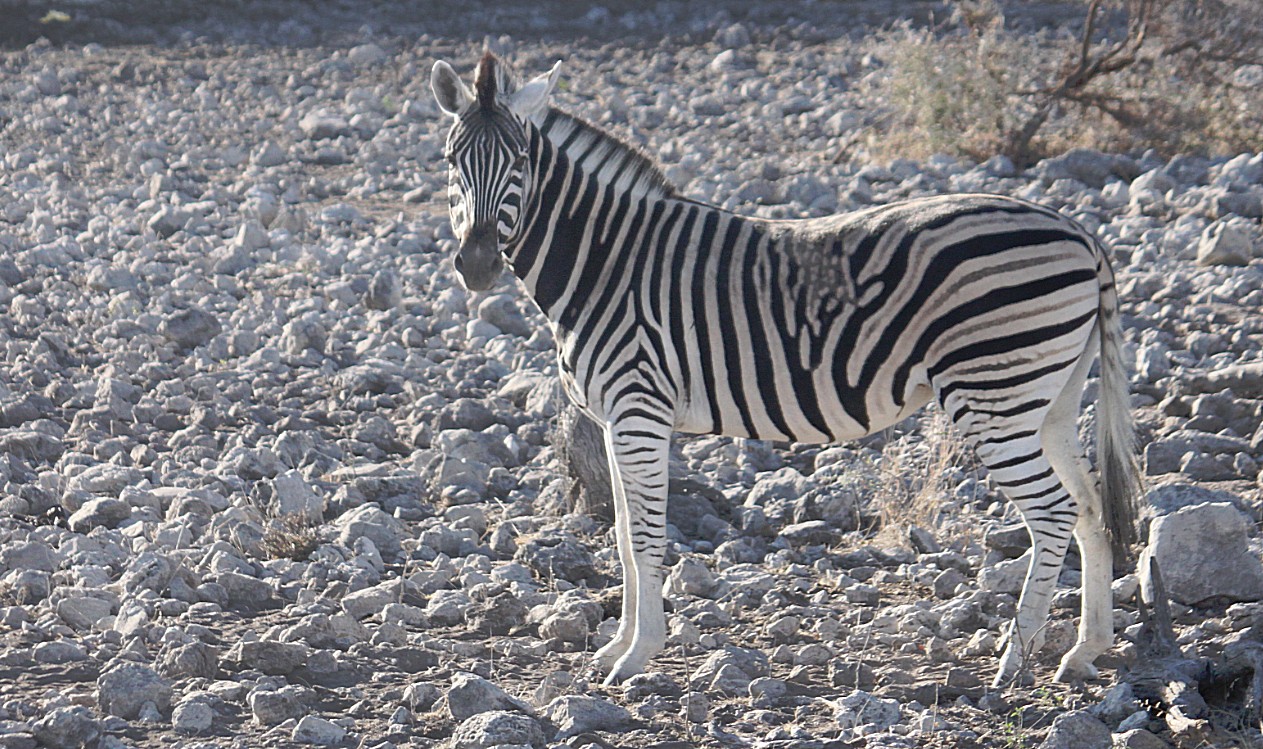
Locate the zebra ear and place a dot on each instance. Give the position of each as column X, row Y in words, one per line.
column 532, row 98
column 453, row 96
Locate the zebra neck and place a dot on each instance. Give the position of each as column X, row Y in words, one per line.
column 605, row 157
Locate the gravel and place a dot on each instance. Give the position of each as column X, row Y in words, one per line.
column 267, row 471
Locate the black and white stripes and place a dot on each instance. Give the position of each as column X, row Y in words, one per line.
column 672, row 314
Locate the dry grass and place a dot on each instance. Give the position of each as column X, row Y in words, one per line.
column 289, row 537
column 1159, row 74
column 915, row 476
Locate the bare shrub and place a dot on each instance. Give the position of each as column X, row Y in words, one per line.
column 1164, row 74
column 289, row 537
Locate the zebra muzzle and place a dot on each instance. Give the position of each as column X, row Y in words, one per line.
column 479, row 261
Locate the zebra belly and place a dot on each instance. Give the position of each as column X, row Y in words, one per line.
column 808, row 408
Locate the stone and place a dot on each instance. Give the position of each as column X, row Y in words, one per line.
column 1078, row 729
column 496, row 728
column 191, row 659
column 190, row 328
column 192, row 716
column 1086, row 165
column 104, row 512
column 385, row 291
column 690, row 576
column 32, row 445
column 576, row 714
column 270, row 707
column 447, row 607
column 67, row 728
column 947, row 581
column 1203, row 554
column 268, row 154
column 1138, row 738
column 766, row 691
column 1006, row 576
column 312, row 729
column 556, row 557
column 501, row 310
column 421, row 696
column 320, row 124
column 106, row 479
column 124, row 690
column 245, row 592
column 733, row 36
column 1225, row 244
column 860, row 708
column 923, row 542
column 851, row 674
column 369, row 601
column 809, row 532
column 470, row 695
column 294, row 497
column 58, row 651
column 81, row 612
column 365, row 55
column 567, row 625
column 745, row 665
column 370, row 521
column 167, row 221
column 28, row 555
column 644, row 685
column 270, row 656
column 1169, row 498
column 730, row 681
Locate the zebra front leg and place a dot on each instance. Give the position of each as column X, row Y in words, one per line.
column 609, row 655
column 639, row 449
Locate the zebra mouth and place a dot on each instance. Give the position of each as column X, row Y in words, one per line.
column 479, row 266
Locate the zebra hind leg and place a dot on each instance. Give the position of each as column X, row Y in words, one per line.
column 1065, row 453
column 1050, row 513
column 1006, row 435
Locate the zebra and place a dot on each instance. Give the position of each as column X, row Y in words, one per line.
column 672, row 314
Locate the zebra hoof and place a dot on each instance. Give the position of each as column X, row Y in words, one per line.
column 1018, row 677
column 607, row 657
column 1070, row 671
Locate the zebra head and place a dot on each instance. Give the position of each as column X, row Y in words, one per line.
column 488, row 155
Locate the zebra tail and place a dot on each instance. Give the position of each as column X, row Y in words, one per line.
column 1116, row 430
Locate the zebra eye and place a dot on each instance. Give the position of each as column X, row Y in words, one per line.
column 519, row 162
column 451, row 159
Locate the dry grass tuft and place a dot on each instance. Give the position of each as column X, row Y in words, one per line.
column 916, row 474
column 289, row 537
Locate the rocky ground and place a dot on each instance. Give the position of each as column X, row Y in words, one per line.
column 271, row 477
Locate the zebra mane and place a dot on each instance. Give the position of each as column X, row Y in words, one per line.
column 586, row 143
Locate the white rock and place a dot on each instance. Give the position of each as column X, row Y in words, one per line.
column 1225, row 244
column 1203, row 554
column 312, row 729
column 576, row 714
column 294, row 497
